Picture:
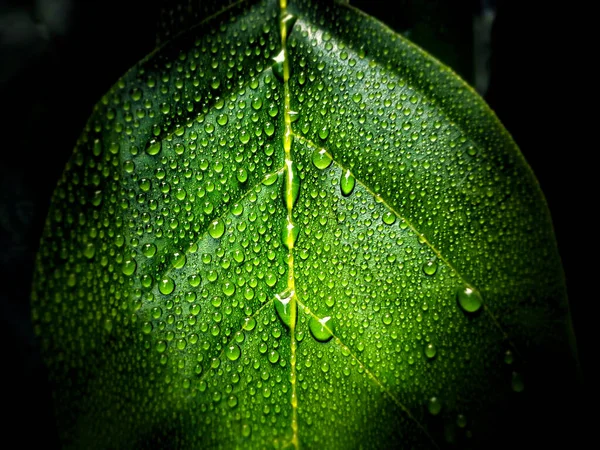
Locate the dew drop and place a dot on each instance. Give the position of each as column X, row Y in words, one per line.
column 179, row 260
column 166, row 285
column 430, row 350
column 273, row 356
column 222, row 119
column 293, row 180
column 194, row 280
column 249, row 323
column 233, row 352
column 430, row 268
column 321, row 159
column 153, row 147
column 242, row 175
column 246, row 430
column 129, row 267
column 469, row 299
column 149, row 250
column 347, row 183
column 289, row 233
column 89, row 251
column 257, row 103
column 228, row 288
column 278, row 65
column 388, row 218
column 283, row 307
column 434, row 406
column 321, row 329
column 216, row 228
column 289, row 20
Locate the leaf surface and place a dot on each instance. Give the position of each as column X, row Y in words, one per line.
column 292, row 228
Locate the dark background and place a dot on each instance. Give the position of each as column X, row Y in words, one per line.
column 58, row 57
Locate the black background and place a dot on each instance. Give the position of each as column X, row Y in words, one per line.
column 50, row 84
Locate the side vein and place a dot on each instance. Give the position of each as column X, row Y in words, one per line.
column 371, row 375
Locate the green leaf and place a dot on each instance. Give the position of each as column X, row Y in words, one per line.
column 290, row 227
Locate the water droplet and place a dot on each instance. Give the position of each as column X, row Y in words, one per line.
column 228, row 288
column 244, row 137
column 149, row 250
column 179, row 260
column 347, row 183
column 324, row 133
column 469, row 299
column 430, row 268
column 233, row 352
column 321, row 329
column 430, row 350
column 232, row 401
column 273, row 356
column 242, row 175
column 89, row 251
column 153, row 147
column 321, row 159
column 222, row 119
column 517, row 382
column 161, row 346
column 249, row 323
column 289, row 20
column 387, row 318
column 166, row 286
column 461, row 420
column 216, row 228
column 129, row 267
column 283, row 306
column 289, row 233
column 147, row 327
column 325, row 366
column 293, row 180
column 388, row 218
column 246, row 430
column 508, row 357
column 278, row 65
column 194, row 280
column 434, row 406
column 257, row 103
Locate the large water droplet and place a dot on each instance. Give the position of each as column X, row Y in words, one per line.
column 283, row 306
column 166, row 285
column 430, row 350
column 153, row 147
column 89, row 251
column 278, row 65
column 292, row 184
column 469, row 299
column 321, row 329
column 321, row 159
column 434, row 406
column 347, row 183
column 289, row 233
column 430, row 268
column 149, row 250
column 388, row 218
column 129, row 267
column 289, row 20
column 233, row 352
column 216, row 228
